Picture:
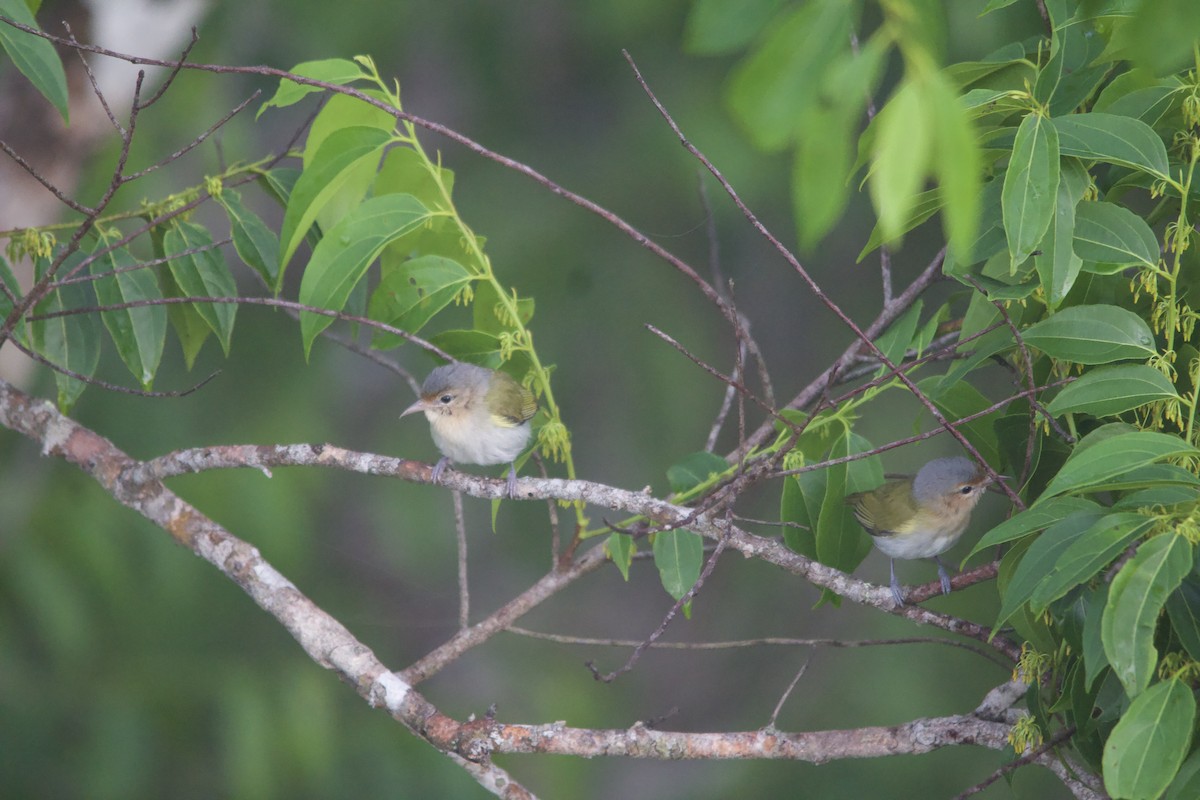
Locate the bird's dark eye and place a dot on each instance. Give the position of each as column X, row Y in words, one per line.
column 445, row 399
column 966, row 489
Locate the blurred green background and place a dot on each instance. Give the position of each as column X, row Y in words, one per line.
column 130, row 668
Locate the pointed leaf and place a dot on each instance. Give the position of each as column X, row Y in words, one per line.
column 678, row 554
column 1183, row 606
column 71, row 341
column 957, row 166
column 1092, row 334
column 1135, row 600
column 1110, row 234
column 1144, row 751
column 721, row 26
column 1030, row 186
column 620, row 548
column 337, row 160
column 902, row 152
column 1033, row 519
column 1113, row 139
column 342, row 257
column 695, row 469
column 1115, row 456
column 203, row 273
column 254, row 242
column 1089, row 554
column 338, row 71
column 1111, row 390
column 138, row 333
column 1057, row 263
column 410, row 295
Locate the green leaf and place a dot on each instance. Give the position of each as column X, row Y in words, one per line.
column 1186, row 785
column 894, row 342
column 722, row 26
column 254, row 242
column 1111, row 390
column 404, row 171
column 840, row 540
column 342, row 257
column 1089, row 554
column 1135, row 599
column 138, row 333
column 1145, row 749
column 1113, row 139
column 8, row 284
column 1093, row 645
column 487, row 310
column 1066, row 80
column 33, row 56
column 1039, row 560
column 1092, row 334
column 343, row 154
column 1030, row 187
column 924, row 206
column 770, row 89
column 800, row 504
column 202, row 274
column 338, row 71
column 71, row 341
column 279, row 183
column 901, row 153
column 190, row 328
column 961, row 400
column 957, row 166
column 410, row 295
column 620, row 548
column 1110, row 234
column 1115, row 456
column 678, row 554
column 1033, row 519
column 693, row 470
column 1183, row 607
column 1055, row 259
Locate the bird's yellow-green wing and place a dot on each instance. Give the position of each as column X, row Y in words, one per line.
column 886, row 510
column 506, row 393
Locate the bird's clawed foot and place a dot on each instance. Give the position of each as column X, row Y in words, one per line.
column 438, row 469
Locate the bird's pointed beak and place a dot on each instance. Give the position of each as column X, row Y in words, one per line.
column 414, row 408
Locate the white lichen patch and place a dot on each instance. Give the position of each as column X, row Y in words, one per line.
column 393, row 691
column 271, row 577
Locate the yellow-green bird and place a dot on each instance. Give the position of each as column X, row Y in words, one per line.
column 921, row 517
column 477, row 416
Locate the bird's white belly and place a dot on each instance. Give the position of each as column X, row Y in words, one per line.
column 486, row 444
column 920, row 544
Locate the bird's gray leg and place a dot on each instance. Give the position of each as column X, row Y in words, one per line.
column 439, row 468
column 511, row 487
column 897, row 595
column 942, row 574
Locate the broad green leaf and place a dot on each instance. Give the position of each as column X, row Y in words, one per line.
column 202, row 273
column 1110, row 234
column 1089, row 554
column 1162, row 35
column 1135, row 600
column 1144, row 751
column 1115, row 456
column 1148, row 104
column 980, row 352
column 342, row 257
column 1183, row 606
column 338, row 71
column 476, row 347
column 279, row 183
column 33, row 56
column 137, row 332
column 254, row 242
column 924, row 206
column 1113, row 139
column 1033, row 519
column 1039, row 560
column 620, row 548
column 408, row 296
column 1092, row 334
column 1030, row 187
column 190, row 328
column 1111, row 390
column 957, row 166
column 693, row 470
column 722, row 26
column 1056, row 261
column 71, row 341
column 8, row 286
column 1158, row 496
column 1149, row 476
column 770, row 89
column 339, row 158
column 1093, row 645
column 344, row 111
column 1067, row 79
column 901, row 156
column 800, row 504
column 1031, row 628
column 679, row 555
column 841, row 542
column 895, row 340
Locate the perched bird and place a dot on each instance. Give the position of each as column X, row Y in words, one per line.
column 921, row 517
column 477, row 416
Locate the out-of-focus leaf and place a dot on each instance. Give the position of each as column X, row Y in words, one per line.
column 411, row 294
column 693, row 470
column 620, row 548
column 957, row 166
column 722, row 26
column 901, row 154
column 33, row 56
column 1092, row 334
column 1135, row 599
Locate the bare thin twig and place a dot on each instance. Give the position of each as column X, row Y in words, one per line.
column 464, row 590
column 786, row 694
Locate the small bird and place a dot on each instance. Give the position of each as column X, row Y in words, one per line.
column 921, row 517
column 477, row 416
